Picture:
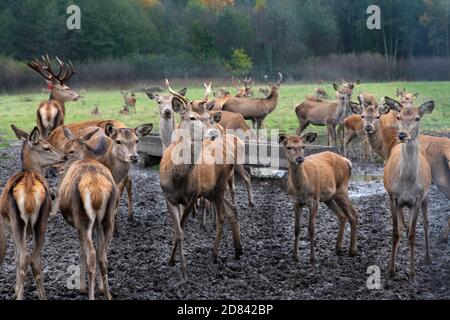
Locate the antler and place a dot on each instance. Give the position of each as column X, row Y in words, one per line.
column 281, row 78
column 233, row 82
column 176, row 94
column 207, row 90
column 266, row 78
column 44, row 68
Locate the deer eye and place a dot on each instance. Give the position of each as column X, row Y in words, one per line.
column 418, row 119
column 398, row 118
column 119, row 142
column 137, row 141
column 363, row 117
column 192, row 118
column 289, row 148
column 378, row 117
column 46, row 149
column 303, row 147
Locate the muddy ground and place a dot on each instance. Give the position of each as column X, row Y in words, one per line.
column 139, row 254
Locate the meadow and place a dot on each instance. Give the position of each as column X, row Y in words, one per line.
column 20, row 109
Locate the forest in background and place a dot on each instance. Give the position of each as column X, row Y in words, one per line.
column 135, row 40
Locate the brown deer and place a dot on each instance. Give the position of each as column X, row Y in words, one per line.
column 130, row 101
column 25, row 204
column 407, row 179
column 88, row 199
column 319, row 178
column 326, row 113
column 321, row 93
column 257, row 109
column 406, row 97
column 96, row 111
column 121, row 152
column 184, row 183
column 51, row 113
column 2, row 241
column 243, row 91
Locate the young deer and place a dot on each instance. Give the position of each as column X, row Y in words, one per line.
column 88, row 199
column 51, row 113
column 406, row 97
column 130, row 101
column 96, row 111
column 407, row 179
column 319, row 178
column 25, row 204
column 184, row 183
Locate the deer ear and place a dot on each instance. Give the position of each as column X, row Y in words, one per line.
column 217, row 117
column 336, row 87
column 357, row 83
column 384, row 108
column 68, row 134
column 152, row 95
column 426, row 108
column 178, row 106
column 393, row 104
column 90, row 135
column 415, row 96
column 20, row 134
column 310, row 137
column 210, row 105
column 110, row 131
column 356, row 107
column 183, row 92
column 143, row 130
column 34, row 136
column 282, row 138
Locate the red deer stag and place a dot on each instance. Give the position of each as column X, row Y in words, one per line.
column 319, row 178
column 51, row 113
column 88, row 199
column 243, row 91
column 407, row 179
column 257, row 109
column 184, row 183
column 25, row 204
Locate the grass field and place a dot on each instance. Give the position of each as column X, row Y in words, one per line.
column 21, row 109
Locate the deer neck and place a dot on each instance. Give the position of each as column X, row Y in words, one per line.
column 383, row 139
column 409, row 161
column 166, row 129
column 190, row 153
column 119, row 169
column 57, row 98
column 29, row 163
column 343, row 109
column 272, row 100
column 297, row 175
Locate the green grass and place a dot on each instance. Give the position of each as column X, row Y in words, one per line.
column 21, row 109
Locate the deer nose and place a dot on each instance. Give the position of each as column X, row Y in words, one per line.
column 214, row 135
column 299, row 160
column 66, row 158
column 167, row 113
column 368, row 128
column 402, row 136
column 134, row 159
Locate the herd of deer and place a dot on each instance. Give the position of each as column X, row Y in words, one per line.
column 93, row 159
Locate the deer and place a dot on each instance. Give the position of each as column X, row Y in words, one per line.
column 2, row 241
column 323, row 177
column 407, row 179
column 256, row 109
column 25, row 204
column 121, row 152
column 184, row 183
column 243, row 92
column 96, row 111
column 326, row 113
column 320, row 92
column 51, row 113
column 130, row 101
column 88, row 199
column 406, row 97
column 228, row 120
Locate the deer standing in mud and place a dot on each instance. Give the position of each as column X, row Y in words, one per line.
column 121, row 152
column 25, row 204
column 183, row 182
column 51, row 113
column 323, row 177
column 326, row 113
column 380, row 127
column 257, row 109
column 407, row 179
column 88, row 199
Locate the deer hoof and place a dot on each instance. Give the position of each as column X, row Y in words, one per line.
column 251, row 204
column 238, row 253
column 130, row 218
column 353, row 253
column 428, row 260
column 339, row 251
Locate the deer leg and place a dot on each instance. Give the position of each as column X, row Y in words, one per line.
column 352, row 215
column 447, row 232
column 220, row 217
column 298, row 210
column 412, row 240
column 129, row 186
column 22, row 258
column 104, row 235
column 240, row 170
column 342, row 220
column 55, row 208
column 36, row 262
column 174, row 212
column 231, row 186
column 395, row 211
column 83, row 259
column 91, row 261
column 230, row 211
column 348, row 139
column 426, row 225
column 303, row 125
column 313, row 210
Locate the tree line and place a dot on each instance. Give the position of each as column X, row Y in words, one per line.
column 208, row 37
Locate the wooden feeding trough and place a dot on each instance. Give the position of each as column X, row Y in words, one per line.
column 268, row 154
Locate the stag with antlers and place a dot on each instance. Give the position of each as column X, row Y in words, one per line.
column 243, row 91
column 51, row 113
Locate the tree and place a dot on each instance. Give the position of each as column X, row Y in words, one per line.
column 240, row 64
